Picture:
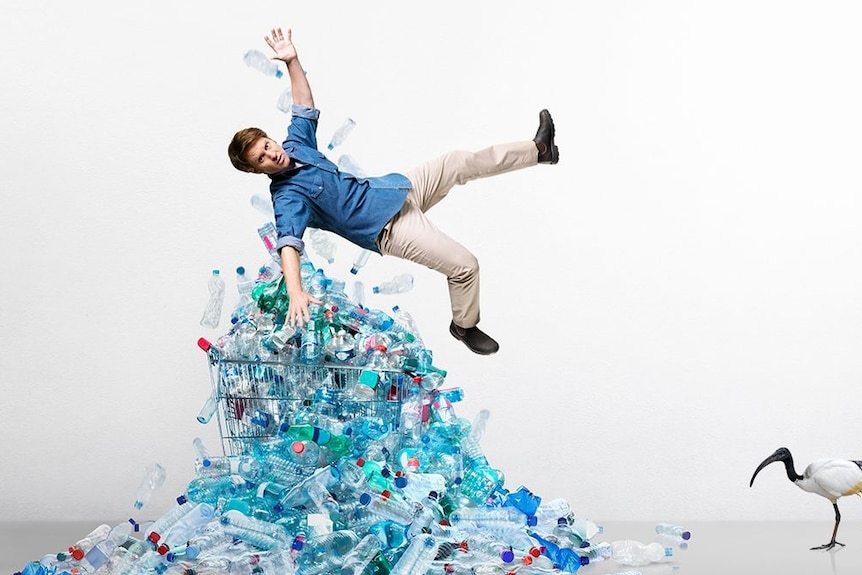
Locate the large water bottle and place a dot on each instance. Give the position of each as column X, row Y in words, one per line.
column 341, row 133
column 154, row 477
column 212, row 311
column 399, row 284
column 261, row 62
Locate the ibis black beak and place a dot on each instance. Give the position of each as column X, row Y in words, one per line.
column 779, row 455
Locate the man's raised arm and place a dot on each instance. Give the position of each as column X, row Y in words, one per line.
column 286, row 52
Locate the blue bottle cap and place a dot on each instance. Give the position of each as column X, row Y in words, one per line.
column 401, row 482
column 240, row 270
column 364, row 499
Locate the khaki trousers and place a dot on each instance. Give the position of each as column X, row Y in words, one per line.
column 411, row 235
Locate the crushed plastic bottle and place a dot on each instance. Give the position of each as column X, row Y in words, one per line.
column 322, row 244
column 631, row 552
column 212, row 311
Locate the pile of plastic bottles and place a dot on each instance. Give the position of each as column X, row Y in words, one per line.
column 342, row 454
column 327, row 486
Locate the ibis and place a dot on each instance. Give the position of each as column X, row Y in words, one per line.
column 829, row 478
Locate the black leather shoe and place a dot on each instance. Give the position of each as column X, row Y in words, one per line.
column 545, row 137
column 475, row 339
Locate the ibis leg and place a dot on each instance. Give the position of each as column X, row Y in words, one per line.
column 832, row 543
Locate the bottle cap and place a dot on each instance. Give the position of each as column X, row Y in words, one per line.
column 240, row 270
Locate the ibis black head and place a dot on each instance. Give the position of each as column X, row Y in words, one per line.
column 781, row 454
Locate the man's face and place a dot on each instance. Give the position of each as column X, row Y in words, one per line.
column 267, row 156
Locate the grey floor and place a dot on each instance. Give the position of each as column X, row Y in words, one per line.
column 750, row 548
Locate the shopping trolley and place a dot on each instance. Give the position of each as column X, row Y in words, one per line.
column 258, row 400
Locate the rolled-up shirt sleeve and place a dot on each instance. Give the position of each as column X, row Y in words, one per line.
column 291, row 219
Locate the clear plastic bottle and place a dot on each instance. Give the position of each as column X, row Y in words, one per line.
column 429, row 513
column 398, row 284
column 212, row 311
column 203, row 459
column 245, row 466
column 245, row 303
column 360, row 556
column 285, row 101
column 310, row 351
column 262, row 534
column 341, row 348
column 672, row 531
column 263, row 204
column 388, row 505
column 262, row 63
column 80, row 548
column 358, row 294
column 321, row 554
column 208, row 409
column 341, row 133
column 361, row 260
column 549, row 512
column 154, row 477
column 269, row 236
column 185, row 527
column 630, row 552
column 322, row 244
column 418, row 556
column 102, row 551
column 405, row 319
column 347, row 164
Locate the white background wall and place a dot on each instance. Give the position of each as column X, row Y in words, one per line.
column 675, row 299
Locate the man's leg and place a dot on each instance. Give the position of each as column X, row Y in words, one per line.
column 412, row 236
column 433, row 180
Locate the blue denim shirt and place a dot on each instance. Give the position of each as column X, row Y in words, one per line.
column 316, row 194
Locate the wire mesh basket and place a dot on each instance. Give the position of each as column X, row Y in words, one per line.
column 258, row 400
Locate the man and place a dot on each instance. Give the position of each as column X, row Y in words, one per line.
column 384, row 214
